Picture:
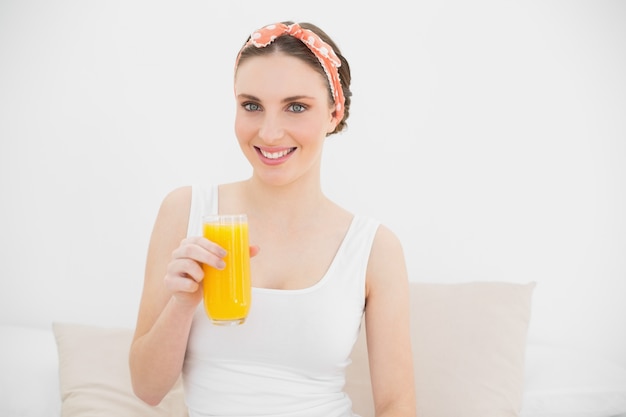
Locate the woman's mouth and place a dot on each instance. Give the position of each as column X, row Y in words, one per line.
column 274, row 155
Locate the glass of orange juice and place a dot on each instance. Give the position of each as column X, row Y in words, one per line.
column 227, row 292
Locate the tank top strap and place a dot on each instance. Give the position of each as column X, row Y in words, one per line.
column 204, row 200
column 352, row 259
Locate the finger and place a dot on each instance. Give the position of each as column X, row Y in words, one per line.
column 186, row 268
column 204, row 243
column 200, row 254
column 176, row 283
column 254, row 250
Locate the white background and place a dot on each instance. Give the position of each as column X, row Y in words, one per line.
column 490, row 136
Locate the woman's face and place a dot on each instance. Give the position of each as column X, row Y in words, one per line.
column 283, row 116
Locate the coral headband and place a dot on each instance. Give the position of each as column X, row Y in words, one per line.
column 323, row 51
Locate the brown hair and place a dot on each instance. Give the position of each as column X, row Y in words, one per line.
column 294, row 47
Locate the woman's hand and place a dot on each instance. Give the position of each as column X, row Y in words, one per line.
column 184, row 272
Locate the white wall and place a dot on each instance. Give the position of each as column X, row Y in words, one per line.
column 491, row 136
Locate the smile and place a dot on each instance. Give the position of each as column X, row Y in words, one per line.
column 275, row 154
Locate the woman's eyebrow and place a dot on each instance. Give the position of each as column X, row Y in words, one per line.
column 285, row 100
column 296, row 98
column 248, row 96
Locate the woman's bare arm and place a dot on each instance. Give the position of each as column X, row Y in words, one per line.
column 387, row 317
column 169, row 300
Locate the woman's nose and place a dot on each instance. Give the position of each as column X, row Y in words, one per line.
column 271, row 128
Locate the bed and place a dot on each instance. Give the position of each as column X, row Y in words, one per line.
column 472, row 359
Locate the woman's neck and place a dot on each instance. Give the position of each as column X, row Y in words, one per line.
column 289, row 202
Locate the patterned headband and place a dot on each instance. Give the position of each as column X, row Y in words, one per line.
column 323, row 51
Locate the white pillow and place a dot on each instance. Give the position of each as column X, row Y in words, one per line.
column 29, row 378
column 468, row 349
column 562, row 382
column 95, row 377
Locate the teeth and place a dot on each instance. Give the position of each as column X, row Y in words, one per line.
column 275, row 155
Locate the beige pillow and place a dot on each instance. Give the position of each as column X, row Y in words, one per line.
column 95, row 379
column 469, row 343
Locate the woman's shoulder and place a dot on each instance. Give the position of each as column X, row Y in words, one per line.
column 177, row 198
column 187, row 204
column 386, row 237
column 178, row 193
column 183, row 195
column 174, row 208
column 386, row 250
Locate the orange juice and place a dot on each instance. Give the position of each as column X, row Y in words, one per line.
column 227, row 292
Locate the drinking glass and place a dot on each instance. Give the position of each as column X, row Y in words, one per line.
column 227, row 292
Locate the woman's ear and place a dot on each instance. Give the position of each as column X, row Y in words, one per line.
column 333, row 123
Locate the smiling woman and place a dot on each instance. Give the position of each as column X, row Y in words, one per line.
column 489, row 136
column 273, row 125
column 316, row 268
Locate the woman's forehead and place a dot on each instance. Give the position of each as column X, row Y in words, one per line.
column 278, row 72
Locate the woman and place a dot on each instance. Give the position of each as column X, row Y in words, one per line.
column 316, row 267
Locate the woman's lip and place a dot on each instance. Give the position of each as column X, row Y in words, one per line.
column 274, row 156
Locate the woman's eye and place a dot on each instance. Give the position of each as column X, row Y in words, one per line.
column 251, row 106
column 297, row 108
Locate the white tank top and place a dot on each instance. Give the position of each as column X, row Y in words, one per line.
column 289, row 357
